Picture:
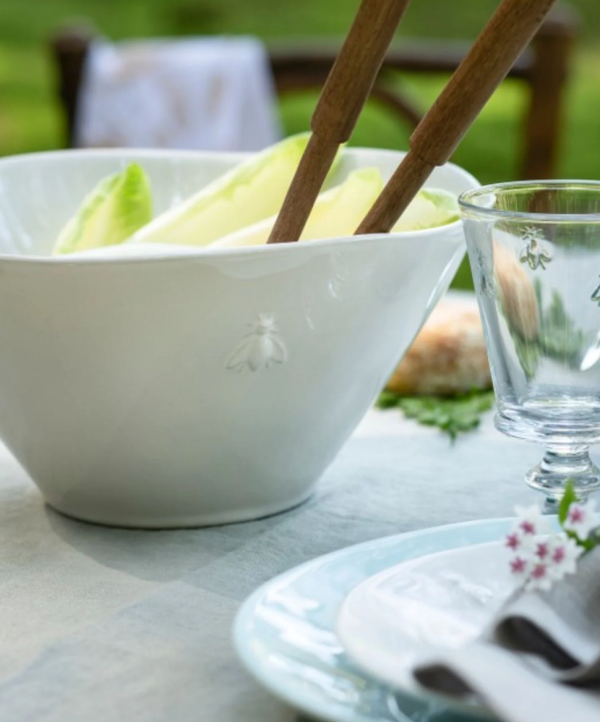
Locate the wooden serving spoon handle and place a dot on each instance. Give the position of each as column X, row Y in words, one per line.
column 342, row 99
column 434, row 140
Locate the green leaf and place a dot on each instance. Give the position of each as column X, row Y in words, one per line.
column 387, row 400
column 117, row 207
column 335, row 214
column 569, row 497
column 250, row 192
column 453, row 415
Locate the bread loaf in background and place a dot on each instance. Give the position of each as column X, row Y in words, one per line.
column 448, row 356
column 517, row 295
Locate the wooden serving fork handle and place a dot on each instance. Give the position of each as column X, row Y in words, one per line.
column 434, row 140
column 342, row 98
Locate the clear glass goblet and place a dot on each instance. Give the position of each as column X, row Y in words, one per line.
column 534, row 249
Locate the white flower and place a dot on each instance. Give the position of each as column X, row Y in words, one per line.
column 540, row 578
column 582, row 519
column 538, row 558
column 549, row 561
column 543, row 550
column 531, row 522
column 520, row 566
column 516, row 541
column 564, row 554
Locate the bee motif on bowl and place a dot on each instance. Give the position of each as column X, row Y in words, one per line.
column 261, row 347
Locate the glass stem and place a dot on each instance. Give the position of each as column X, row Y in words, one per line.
column 561, row 463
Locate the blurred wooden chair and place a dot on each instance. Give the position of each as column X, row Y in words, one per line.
column 543, row 68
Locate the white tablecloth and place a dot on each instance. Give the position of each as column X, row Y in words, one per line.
column 102, row 624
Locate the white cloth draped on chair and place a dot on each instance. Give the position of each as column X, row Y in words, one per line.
column 205, row 93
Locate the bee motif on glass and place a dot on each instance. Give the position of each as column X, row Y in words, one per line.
column 486, row 280
column 596, row 295
column 533, row 251
column 261, row 347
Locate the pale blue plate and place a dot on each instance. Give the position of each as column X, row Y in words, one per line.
column 284, row 633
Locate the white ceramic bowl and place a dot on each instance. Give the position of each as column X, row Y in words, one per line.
column 210, row 388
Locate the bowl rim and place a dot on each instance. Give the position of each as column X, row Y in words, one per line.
column 202, row 253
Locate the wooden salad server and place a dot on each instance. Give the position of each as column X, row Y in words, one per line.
column 434, row 140
column 342, row 98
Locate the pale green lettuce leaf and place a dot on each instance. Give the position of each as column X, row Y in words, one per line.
column 117, row 207
column 431, row 207
column 335, row 214
column 250, row 192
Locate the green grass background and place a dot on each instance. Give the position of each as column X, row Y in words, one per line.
column 30, row 117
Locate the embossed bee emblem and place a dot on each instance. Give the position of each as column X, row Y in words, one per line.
column 261, row 347
column 596, row 295
column 534, row 252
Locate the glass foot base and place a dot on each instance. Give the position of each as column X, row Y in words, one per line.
column 559, row 465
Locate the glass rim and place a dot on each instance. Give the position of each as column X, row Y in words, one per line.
column 467, row 204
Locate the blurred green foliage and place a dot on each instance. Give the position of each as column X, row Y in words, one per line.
column 30, row 117
column 29, row 22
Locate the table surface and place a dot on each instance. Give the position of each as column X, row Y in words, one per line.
column 110, row 624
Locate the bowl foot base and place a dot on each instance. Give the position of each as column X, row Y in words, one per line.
column 183, row 521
